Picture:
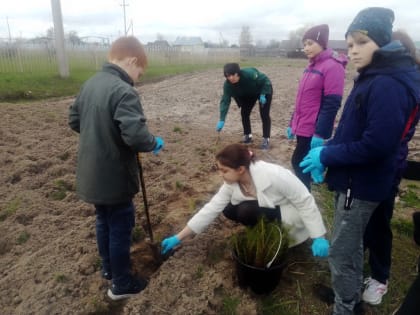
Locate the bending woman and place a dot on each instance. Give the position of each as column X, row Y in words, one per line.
column 254, row 188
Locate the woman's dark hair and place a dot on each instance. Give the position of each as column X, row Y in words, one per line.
column 408, row 43
column 235, row 155
column 231, row 68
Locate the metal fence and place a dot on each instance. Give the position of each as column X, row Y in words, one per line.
column 27, row 57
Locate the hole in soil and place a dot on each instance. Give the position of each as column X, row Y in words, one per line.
column 146, row 258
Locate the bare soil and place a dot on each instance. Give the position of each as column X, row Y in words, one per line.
column 48, row 257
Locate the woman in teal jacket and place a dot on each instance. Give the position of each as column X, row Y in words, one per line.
column 246, row 86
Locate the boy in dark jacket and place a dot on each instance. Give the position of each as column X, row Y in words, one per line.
column 109, row 118
column 246, row 86
column 361, row 156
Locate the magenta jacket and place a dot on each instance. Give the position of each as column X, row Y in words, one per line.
column 319, row 95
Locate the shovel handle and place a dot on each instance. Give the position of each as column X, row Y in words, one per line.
column 143, row 190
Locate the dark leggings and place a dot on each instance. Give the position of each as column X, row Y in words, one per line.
column 246, row 105
column 302, row 148
column 248, row 212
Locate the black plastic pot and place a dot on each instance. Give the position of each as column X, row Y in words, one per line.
column 260, row 280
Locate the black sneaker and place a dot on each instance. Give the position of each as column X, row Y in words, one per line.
column 247, row 139
column 134, row 287
column 265, row 144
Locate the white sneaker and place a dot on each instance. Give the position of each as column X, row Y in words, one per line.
column 374, row 291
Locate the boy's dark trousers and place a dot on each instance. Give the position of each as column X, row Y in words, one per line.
column 303, row 145
column 114, row 224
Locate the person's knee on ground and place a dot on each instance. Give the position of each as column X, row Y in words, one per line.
column 249, row 212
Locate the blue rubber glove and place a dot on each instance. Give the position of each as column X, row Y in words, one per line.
column 263, row 100
column 312, row 160
column 159, row 145
column 169, row 243
column 289, row 133
column 320, row 247
column 316, row 142
column 317, row 175
column 220, row 125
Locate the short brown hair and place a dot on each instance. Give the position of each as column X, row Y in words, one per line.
column 128, row 46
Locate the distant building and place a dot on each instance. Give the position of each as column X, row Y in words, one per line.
column 158, row 44
column 189, row 44
column 339, row 45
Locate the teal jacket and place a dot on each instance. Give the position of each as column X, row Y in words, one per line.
column 109, row 118
column 252, row 83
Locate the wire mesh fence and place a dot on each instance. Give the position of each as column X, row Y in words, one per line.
column 27, row 57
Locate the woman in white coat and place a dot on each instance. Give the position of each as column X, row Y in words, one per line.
column 253, row 188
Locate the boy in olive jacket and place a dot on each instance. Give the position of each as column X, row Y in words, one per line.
column 109, row 118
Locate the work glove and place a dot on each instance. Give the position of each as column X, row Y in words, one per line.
column 320, row 247
column 169, row 243
column 263, row 100
column 317, row 175
column 220, row 125
column 159, row 145
column 312, row 161
column 289, row 133
column 316, row 142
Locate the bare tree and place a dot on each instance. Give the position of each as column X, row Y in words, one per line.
column 73, row 38
column 245, row 39
column 295, row 37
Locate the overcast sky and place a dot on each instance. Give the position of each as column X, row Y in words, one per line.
column 212, row 20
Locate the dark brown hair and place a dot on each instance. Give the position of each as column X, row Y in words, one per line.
column 128, row 46
column 408, row 43
column 235, row 155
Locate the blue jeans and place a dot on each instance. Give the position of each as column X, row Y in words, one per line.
column 114, row 224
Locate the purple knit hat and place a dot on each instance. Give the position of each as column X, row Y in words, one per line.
column 319, row 34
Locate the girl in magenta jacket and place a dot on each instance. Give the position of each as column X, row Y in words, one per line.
column 318, row 98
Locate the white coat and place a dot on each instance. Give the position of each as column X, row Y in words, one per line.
column 275, row 186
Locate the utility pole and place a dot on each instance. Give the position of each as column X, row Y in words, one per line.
column 63, row 65
column 125, row 19
column 8, row 28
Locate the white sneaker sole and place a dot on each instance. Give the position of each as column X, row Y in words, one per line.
column 114, row 297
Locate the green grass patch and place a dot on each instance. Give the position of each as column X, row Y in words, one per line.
column 23, row 238
column 138, row 234
column 230, row 304
column 60, row 190
column 10, row 209
column 61, row 278
column 44, row 82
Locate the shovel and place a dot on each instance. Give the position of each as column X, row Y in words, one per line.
column 146, row 206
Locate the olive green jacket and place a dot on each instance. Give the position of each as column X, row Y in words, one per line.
column 109, row 118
